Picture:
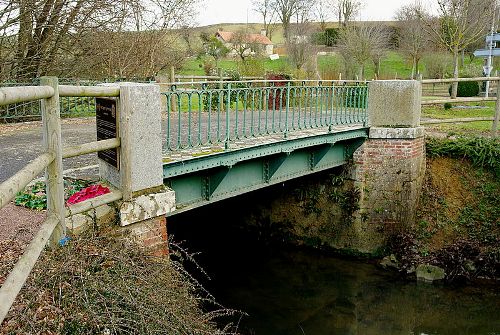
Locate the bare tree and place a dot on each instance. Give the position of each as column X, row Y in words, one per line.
column 48, row 34
column 241, row 44
column 285, row 10
column 322, row 12
column 299, row 47
column 346, row 10
column 267, row 10
column 459, row 24
column 412, row 39
column 362, row 43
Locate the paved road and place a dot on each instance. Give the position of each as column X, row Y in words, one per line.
column 21, row 143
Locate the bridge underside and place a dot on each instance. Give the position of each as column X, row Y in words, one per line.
column 203, row 180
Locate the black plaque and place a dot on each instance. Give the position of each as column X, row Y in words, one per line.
column 107, row 128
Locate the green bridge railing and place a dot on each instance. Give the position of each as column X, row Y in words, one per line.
column 226, row 112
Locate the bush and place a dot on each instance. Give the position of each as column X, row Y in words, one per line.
column 482, row 152
column 218, row 98
column 448, row 106
column 318, row 38
column 252, row 67
column 104, row 285
column 437, row 65
column 466, row 89
column 331, row 36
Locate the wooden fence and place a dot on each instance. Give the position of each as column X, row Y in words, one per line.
column 54, row 228
column 443, row 100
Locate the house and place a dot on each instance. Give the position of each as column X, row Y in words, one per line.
column 256, row 43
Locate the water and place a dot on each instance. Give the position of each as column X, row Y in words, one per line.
column 292, row 291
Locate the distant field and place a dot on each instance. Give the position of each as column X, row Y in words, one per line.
column 394, row 66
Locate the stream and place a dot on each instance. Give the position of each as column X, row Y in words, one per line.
column 288, row 290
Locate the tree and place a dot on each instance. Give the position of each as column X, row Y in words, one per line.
column 411, row 38
column 285, row 9
column 214, row 47
column 299, row 48
column 460, row 23
column 346, row 10
column 322, row 12
column 267, row 10
column 48, row 34
column 241, row 44
column 362, row 43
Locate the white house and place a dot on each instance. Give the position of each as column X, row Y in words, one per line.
column 254, row 41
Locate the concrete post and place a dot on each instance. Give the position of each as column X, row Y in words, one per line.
column 390, row 166
column 140, row 176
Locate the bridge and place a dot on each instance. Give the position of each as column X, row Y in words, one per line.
column 222, row 140
column 165, row 153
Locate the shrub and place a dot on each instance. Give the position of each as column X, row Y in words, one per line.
column 437, row 65
column 252, row 67
column 331, row 36
column 448, row 106
column 105, row 285
column 467, row 89
column 218, row 98
column 482, row 152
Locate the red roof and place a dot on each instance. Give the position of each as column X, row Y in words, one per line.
column 227, row 36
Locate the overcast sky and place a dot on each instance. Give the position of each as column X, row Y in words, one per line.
column 229, row 11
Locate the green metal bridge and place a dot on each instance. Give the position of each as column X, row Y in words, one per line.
column 229, row 138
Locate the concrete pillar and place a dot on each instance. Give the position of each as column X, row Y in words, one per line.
column 389, row 167
column 146, row 200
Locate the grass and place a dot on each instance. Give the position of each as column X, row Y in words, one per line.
column 486, row 109
column 393, row 65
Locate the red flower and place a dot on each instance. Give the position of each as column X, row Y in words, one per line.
column 87, row 193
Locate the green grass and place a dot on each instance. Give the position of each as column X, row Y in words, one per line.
column 438, row 112
column 393, row 65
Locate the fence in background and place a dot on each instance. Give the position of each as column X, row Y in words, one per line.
column 225, row 112
column 48, row 95
column 32, row 110
column 444, row 99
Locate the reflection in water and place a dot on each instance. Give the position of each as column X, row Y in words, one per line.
column 290, row 291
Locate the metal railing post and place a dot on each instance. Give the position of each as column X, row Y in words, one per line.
column 228, row 111
column 51, row 118
column 496, row 121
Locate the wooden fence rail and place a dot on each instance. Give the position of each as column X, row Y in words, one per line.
column 54, row 228
column 495, row 119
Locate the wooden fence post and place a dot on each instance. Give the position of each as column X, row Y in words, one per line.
column 496, row 121
column 51, row 118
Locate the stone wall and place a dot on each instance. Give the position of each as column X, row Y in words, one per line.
column 389, row 171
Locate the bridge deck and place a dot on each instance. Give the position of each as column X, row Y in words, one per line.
column 183, row 155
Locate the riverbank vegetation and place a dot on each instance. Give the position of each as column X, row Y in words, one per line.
column 106, row 285
column 458, row 222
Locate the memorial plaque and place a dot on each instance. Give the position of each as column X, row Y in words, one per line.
column 107, row 128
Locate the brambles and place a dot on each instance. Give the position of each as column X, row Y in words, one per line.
column 106, row 285
column 482, row 152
